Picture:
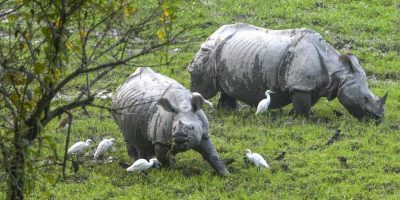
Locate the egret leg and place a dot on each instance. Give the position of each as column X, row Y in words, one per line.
column 75, row 166
column 246, row 161
column 79, row 158
column 99, row 158
column 144, row 174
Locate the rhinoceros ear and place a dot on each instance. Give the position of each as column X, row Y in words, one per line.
column 350, row 61
column 345, row 59
column 197, row 101
column 168, row 106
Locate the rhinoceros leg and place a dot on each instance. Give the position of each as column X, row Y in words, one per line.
column 301, row 102
column 209, row 153
column 227, row 102
column 137, row 153
column 162, row 154
column 132, row 152
column 279, row 100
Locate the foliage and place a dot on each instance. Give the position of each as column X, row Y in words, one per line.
column 46, row 46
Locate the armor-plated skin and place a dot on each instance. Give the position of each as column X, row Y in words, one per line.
column 159, row 117
column 243, row 61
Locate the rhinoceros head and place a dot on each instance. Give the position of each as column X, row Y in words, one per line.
column 354, row 93
column 202, row 74
column 187, row 127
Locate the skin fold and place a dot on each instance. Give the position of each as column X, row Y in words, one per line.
column 159, row 117
column 243, row 61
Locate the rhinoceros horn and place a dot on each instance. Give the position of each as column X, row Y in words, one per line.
column 382, row 100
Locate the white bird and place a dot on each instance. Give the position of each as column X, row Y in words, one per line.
column 205, row 100
column 103, row 95
column 142, row 164
column 208, row 103
column 263, row 105
column 257, row 159
column 79, row 147
column 104, row 146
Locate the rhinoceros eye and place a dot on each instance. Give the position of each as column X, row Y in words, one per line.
column 192, row 128
column 366, row 99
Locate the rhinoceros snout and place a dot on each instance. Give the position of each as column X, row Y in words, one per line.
column 180, row 138
column 181, row 141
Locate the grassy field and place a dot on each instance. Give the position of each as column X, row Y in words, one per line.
column 310, row 169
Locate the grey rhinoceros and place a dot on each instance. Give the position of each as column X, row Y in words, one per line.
column 159, row 117
column 243, row 61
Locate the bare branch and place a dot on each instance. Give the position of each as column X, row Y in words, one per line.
column 8, row 103
column 43, row 10
column 6, row 154
column 77, row 103
column 67, row 142
column 60, row 110
column 29, row 74
column 136, row 28
column 9, row 11
column 80, row 71
column 2, row 2
column 5, row 127
column 72, row 76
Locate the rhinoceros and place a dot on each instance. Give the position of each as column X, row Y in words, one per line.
column 242, row 61
column 160, row 117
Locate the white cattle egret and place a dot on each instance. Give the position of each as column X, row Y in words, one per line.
column 103, row 95
column 104, row 146
column 208, row 103
column 257, row 159
column 263, row 105
column 79, row 147
column 142, row 164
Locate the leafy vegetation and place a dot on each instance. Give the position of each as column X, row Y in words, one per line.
column 310, row 169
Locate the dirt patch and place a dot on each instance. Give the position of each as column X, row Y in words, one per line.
column 207, row 24
column 189, row 172
column 320, row 5
column 395, row 126
column 394, row 75
column 344, row 44
column 392, row 169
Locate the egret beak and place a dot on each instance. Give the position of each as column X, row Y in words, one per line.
column 157, row 165
column 270, row 91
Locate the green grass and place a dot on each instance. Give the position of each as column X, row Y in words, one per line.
column 371, row 28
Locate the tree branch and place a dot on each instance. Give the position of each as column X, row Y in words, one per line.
column 10, row 11
column 67, row 142
column 80, row 71
column 8, row 103
column 29, row 74
column 136, row 28
column 60, row 110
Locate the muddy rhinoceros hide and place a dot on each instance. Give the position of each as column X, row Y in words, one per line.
column 159, row 117
column 243, row 61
